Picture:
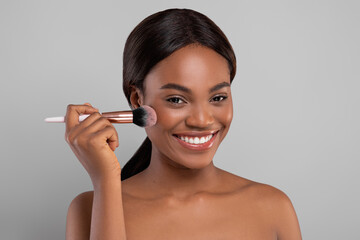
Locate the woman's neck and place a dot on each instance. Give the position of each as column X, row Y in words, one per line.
column 164, row 177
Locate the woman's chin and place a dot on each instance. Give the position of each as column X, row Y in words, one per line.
column 194, row 163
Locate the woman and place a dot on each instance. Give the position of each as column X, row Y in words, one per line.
column 181, row 64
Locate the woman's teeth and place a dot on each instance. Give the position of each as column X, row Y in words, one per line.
column 196, row 140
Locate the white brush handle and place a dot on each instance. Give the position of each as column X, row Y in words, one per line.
column 62, row 119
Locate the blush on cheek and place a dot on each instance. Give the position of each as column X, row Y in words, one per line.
column 168, row 118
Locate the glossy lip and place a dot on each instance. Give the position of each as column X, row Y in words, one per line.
column 198, row 147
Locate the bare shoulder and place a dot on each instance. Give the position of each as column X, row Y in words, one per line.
column 82, row 203
column 258, row 192
column 78, row 220
column 267, row 195
column 279, row 209
column 271, row 204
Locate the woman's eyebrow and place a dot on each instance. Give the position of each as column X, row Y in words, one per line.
column 176, row 87
column 219, row 86
column 188, row 90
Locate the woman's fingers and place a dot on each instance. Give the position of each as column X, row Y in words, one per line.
column 109, row 135
column 84, row 124
column 105, row 131
column 94, row 124
column 73, row 112
column 88, row 104
column 93, row 141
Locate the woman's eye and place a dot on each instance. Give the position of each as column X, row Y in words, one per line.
column 218, row 98
column 175, row 100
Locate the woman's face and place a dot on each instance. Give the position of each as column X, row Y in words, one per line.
column 190, row 92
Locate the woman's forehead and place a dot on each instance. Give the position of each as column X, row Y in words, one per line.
column 189, row 64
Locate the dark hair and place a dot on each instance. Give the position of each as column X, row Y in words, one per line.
column 154, row 39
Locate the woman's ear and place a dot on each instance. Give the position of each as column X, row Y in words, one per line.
column 136, row 97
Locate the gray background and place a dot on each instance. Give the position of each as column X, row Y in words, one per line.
column 296, row 102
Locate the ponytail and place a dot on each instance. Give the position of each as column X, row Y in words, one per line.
column 139, row 161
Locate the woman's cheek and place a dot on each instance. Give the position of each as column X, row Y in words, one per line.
column 224, row 114
column 170, row 118
column 228, row 115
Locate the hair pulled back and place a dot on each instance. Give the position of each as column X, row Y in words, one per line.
column 154, row 39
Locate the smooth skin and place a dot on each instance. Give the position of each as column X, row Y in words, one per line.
column 181, row 195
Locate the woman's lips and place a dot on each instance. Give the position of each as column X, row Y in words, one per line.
column 198, row 142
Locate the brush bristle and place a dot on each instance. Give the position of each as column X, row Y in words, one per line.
column 144, row 116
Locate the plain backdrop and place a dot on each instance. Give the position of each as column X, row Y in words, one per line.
column 296, row 103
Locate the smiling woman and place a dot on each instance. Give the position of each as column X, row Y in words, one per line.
column 181, row 64
column 193, row 102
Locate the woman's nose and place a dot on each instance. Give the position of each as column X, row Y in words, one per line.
column 200, row 117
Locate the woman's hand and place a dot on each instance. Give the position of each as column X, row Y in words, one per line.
column 93, row 141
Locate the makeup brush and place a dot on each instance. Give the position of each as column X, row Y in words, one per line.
column 143, row 116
